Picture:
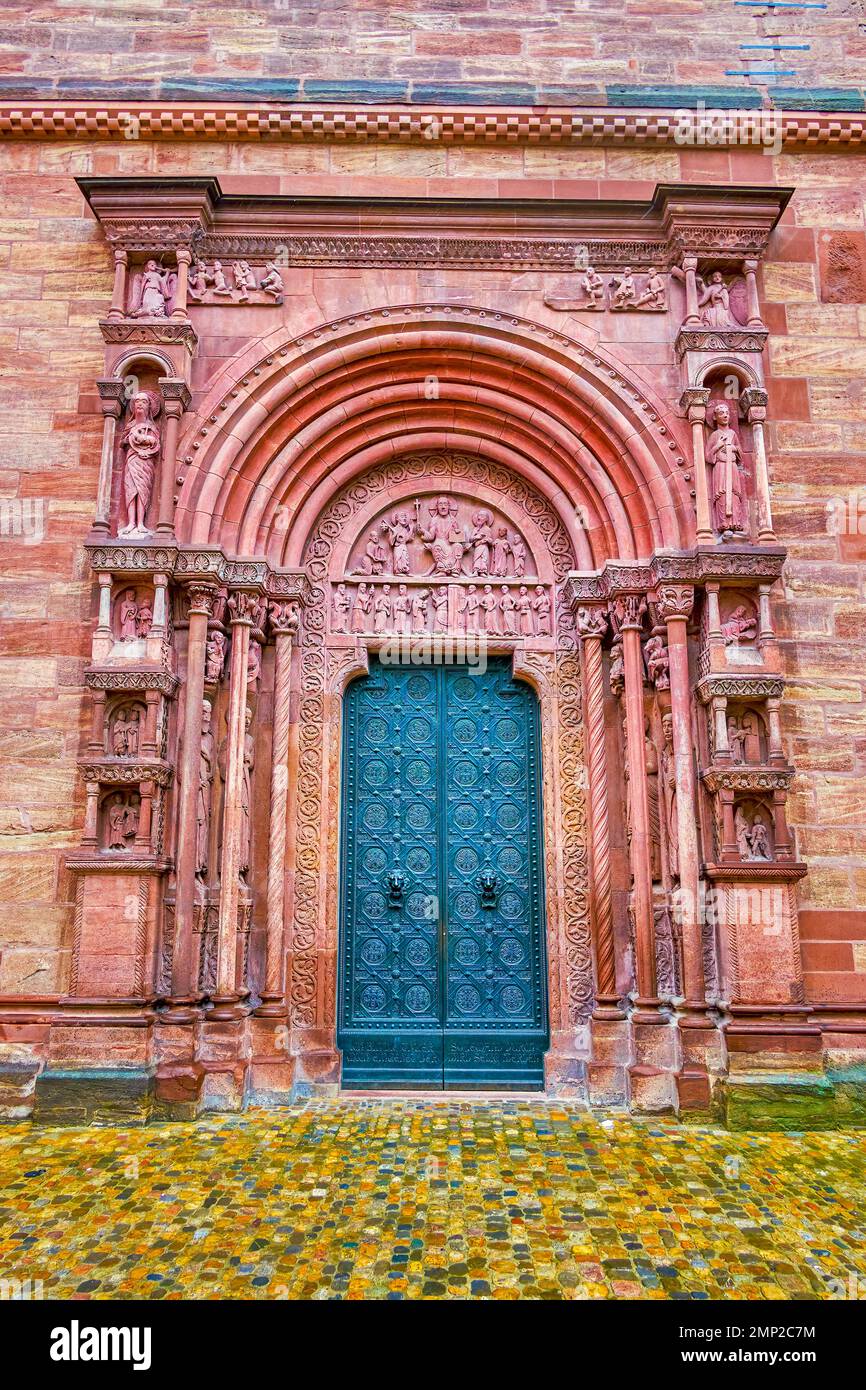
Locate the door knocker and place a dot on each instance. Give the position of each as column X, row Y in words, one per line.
column 487, row 882
column 396, row 887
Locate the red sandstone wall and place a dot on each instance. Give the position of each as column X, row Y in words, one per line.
column 55, row 281
column 587, row 44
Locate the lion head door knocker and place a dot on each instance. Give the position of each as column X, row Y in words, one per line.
column 488, row 884
column 396, row 883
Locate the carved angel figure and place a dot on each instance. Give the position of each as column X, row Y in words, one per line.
column 141, row 440
column 443, row 537
column 152, row 292
column 725, row 458
column 714, row 302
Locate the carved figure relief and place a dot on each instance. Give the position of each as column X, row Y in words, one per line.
column 619, row 294
column 754, row 838
column 141, row 441
column 211, row 285
column 121, row 816
column 254, row 664
column 215, row 656
column 152, row 292
column 714, row 302
column 653, row 803
column 746, row 737
column 133, row 616
column 205, row 792
column 725, row 459
column 741, row 625
column 657, row 662
column 669, row 792
column 125, row 731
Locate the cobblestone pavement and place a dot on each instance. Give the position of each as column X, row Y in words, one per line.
column 422, row 1199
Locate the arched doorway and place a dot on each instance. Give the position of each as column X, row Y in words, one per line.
column 442, row 975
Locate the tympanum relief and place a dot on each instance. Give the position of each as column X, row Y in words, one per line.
column 442, row 564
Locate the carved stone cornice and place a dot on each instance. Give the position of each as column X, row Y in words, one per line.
column 146, row 216
column 737, row 687
column 764, row 871
column 160, row 332
column 117, row 861
column 121, row 678
column 721, row 340
column 130, row 557
column 760, row 564
column 121, row 772
column 747, row 779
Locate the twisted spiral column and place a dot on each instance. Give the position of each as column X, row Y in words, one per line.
column 284, row 622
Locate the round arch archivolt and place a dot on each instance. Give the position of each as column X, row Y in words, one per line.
column 291, row 422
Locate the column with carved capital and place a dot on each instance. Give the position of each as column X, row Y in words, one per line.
column 592, row 626
column 689, row 271
column 175, row 400
column 628, row 611
column 112, row 396
column 754, row 402
column 284, row 624
column 118, row 297
column 674, row 603
column 183, row 986
column 694, row 402
column 184, row 260
column 243, row 609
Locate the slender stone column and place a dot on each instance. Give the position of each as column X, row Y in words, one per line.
column 184, row 260
column 243, row 608
column 690, row 268
column 674, row 604
column 112, row 395
column 118, row 297
column 284, row 622
column 719, row 715
column 754, row 403
column 694, row 402
column 183, row 987
column 175, row 400
column 592, row 626
column 629, row 610
column 750, row 271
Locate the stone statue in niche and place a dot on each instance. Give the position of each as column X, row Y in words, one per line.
column 740, row 626
column 128, row 616
column 440, row 608
column 215, row 656
column 508, row 608
column 753, row 837
column 744, row 737
column 541, row 609
column 363, row 607
column 205, row 791
column 657, row 662
column 499, row 552
column 470, row 606
column 152, row 292
column 725, row 458
column 254, row 664
column 125, row 732
column 383, row 610
column 420, row 598
column 489, row 606
column 482, row 540
column 401, row 530
column 714, row 302
column 668, row 773
column 121, row 815
column 442, row 535
column 141, row 440
column 144, row 619
column 375, row 556
column 342, row 608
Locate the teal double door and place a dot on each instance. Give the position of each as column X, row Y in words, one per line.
column 442, row 965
